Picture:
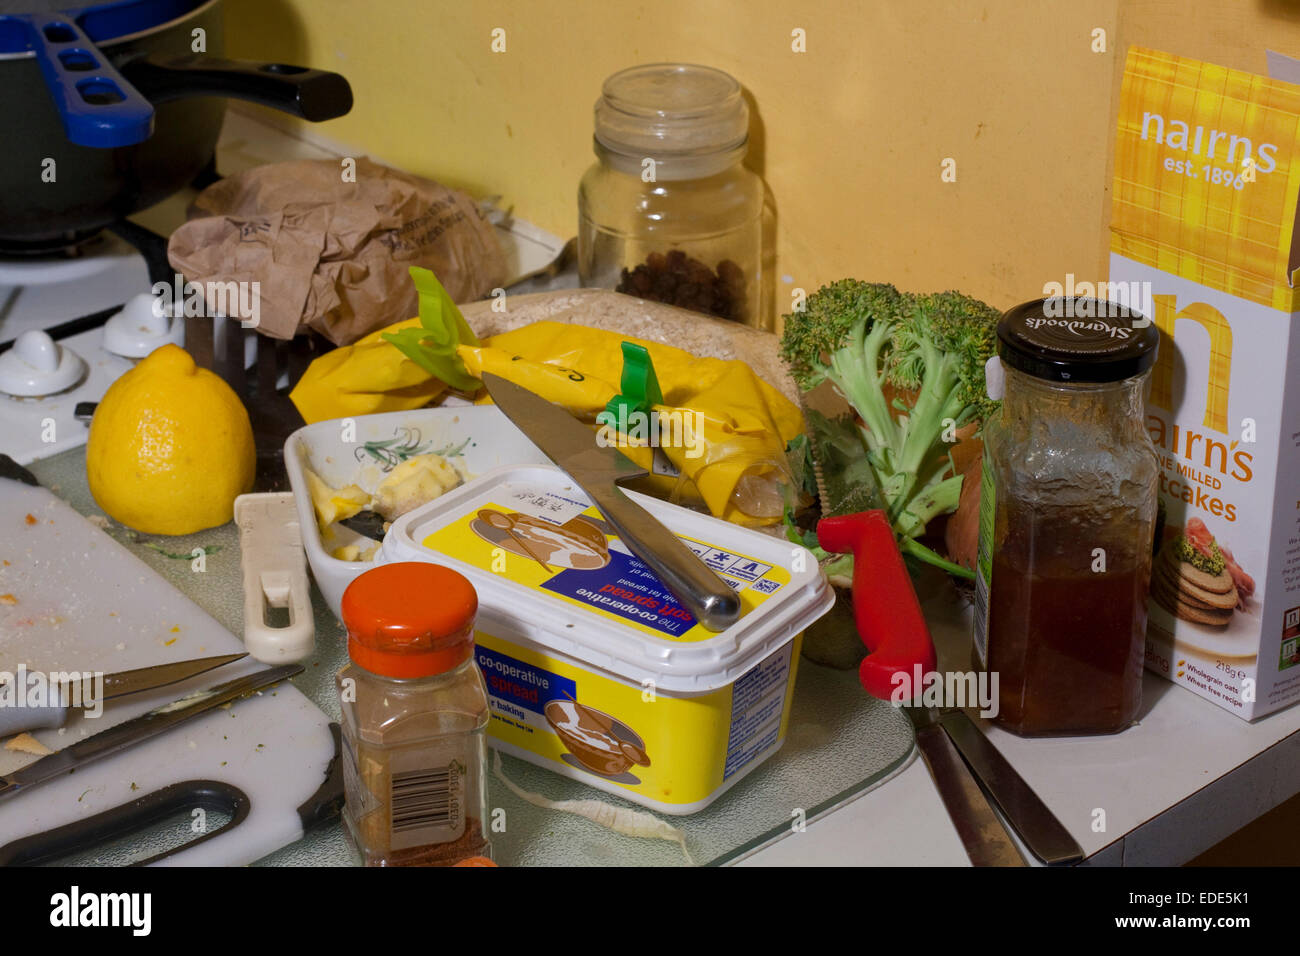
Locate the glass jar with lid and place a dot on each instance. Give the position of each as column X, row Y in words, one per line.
column 415, row 714
column 669, row 212
column 1067, row 518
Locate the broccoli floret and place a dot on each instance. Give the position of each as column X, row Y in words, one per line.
column 1213, row 563
column 964, row 330
column 870, row 340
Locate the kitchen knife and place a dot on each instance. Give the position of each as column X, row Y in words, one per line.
column 890, row 622
column 17, row 718
column 1036, row 825
column 596, row 470
column 854, row 519
column 138, row 729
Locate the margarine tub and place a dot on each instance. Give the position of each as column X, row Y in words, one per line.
column 593, row 669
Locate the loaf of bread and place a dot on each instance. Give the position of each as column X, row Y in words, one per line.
column 625, row 314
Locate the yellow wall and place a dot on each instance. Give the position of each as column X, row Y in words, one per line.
column 849, row 135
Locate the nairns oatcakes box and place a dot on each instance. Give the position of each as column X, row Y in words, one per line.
column 1203, row 227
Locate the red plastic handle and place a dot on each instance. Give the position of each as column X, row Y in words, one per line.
column 885, row 607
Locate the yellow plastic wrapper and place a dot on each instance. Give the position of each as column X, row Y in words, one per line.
column 721, row 431
column 718, row 439
column 363, row 378
column 373, row 375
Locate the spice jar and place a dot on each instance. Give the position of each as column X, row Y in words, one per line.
column 1067, row 516
column 414, row 714
column 668, row 212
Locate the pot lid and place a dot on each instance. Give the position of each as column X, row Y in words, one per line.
column 1077, row 339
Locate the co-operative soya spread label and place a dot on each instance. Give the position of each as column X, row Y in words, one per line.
column 674, row 753
column 561, row 546
column 1207, row 175
column 620, row 731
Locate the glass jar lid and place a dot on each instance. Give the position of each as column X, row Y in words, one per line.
column 1077, row 339
column 673, row 109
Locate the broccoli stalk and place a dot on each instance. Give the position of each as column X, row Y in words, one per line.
column 869, row 340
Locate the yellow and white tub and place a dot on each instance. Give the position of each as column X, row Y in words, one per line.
column 593, row 668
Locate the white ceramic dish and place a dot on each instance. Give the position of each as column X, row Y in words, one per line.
column 362, row 450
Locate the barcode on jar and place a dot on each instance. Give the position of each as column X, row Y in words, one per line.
column 427, row 805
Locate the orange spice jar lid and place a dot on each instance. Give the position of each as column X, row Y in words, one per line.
column 410, row 619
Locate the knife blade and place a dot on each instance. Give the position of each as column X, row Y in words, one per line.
column 1038, row 827
column 139, row 729
column 65, row 698
column 982, row 834
column 15, row 472
column 845, row 482
column 596, row 469
column 160, row 675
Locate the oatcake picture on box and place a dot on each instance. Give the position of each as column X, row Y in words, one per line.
column 1196, row 578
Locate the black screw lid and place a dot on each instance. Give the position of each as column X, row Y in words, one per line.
column 1065, row 339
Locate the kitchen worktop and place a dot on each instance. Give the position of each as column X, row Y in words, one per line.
column 1184, row 778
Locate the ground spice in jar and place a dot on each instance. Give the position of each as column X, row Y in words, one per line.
column 677, row 279
column 415, row 712
column 375, row 827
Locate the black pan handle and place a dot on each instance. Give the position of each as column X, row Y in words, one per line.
column 314, row 95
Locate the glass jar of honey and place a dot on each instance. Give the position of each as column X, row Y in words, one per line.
column 1067, row 515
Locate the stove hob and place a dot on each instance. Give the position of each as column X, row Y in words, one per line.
column 70, row 297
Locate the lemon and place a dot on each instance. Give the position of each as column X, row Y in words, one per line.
column 170, row 447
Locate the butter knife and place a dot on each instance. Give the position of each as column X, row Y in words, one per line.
column 139, row 729
column 596, row 469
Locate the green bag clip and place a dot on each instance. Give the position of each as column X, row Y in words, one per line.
column 432, row 345
column 640, row 390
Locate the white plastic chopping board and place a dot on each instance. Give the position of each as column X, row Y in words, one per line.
column 76, row 600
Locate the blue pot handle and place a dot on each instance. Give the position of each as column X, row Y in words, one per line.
column 99, row 108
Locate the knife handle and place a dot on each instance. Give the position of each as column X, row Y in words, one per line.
column 692, row 582
column 885, row 608
column 16, row 720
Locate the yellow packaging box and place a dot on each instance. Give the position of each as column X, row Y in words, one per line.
column 1203, row 241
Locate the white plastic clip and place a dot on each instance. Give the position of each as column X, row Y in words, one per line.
column 995, row 379
column 275, row 576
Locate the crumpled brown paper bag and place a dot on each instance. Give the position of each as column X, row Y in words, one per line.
column 333, row 255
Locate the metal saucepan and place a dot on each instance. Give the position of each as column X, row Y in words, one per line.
column 113, row 111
